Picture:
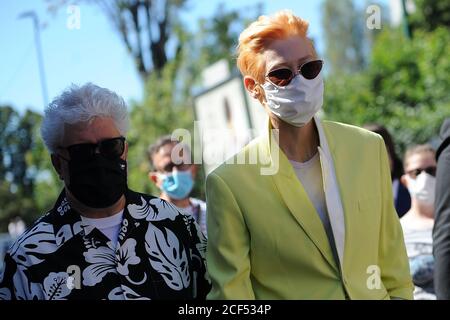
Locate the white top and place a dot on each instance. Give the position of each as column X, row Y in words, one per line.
column 109, row 226
column 418, row 240
column 419, row 247
column 310, row 175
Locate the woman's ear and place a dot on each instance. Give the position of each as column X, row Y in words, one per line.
column 251, row 86
column 154, row 177
column 254, row 88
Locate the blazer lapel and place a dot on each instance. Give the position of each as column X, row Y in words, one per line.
column 295, row 197
column 343, row 174
column 332, row 191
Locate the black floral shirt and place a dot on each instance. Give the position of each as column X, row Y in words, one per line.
column 159, row 255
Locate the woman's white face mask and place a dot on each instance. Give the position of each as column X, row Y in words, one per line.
column 296, row 103
column 422, row 188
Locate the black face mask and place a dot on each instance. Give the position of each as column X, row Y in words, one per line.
column 98, row 182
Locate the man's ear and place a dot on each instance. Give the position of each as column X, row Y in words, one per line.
column 153, row 177
column 56, row 162
column 194, row 169
column 125, row 152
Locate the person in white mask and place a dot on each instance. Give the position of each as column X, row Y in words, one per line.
column 313, row 217
column 420, row 171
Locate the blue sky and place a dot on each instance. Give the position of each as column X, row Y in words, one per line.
column 93, row 53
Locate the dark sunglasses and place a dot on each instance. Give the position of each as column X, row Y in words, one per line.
column 169, row 167
column 282, row 77
column 430, row 170
column 109, row 148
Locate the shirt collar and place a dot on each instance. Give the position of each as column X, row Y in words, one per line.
column 67, row 222
column 273, row 153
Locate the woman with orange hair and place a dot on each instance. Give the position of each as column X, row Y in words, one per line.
column 321, row 224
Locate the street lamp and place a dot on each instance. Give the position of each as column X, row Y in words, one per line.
column 37, row 38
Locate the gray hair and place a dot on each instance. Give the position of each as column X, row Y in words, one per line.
column 81, row 104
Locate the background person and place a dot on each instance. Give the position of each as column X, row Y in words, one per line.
column 417, row 223
column 402, row 199
column 176, row 181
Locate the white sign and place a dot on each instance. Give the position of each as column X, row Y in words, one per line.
column 228, row 119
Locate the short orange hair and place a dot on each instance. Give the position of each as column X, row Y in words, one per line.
column 258, row 36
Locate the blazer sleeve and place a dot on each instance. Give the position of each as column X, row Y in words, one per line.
column 394, row 263
column 228, row 243
column 441, row 232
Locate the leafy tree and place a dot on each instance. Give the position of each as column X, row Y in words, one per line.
column 430, row 14
column 22, row 168
column 344, row 35
column 405, row 87
column 168, row 96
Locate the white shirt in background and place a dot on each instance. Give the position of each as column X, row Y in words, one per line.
column 419, row 247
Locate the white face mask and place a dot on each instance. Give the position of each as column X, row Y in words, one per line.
column 422, row 188
column 296, row 103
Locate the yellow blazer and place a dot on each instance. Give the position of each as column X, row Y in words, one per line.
column 266, row 240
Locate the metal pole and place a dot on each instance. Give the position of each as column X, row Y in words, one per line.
column 37, row 38
column 406, row 26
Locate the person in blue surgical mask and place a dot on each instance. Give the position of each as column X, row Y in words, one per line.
column 174, row 174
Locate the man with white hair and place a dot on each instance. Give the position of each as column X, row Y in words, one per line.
column 102, row 240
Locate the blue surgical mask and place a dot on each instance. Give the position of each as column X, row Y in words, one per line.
column 177, row 185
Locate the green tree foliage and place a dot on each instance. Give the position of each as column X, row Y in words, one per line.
column 430, row 14
column 405, row 87
column 160, row 112
column 168, row 96
column 27, row 185
column 218, row 36
column 344, row 35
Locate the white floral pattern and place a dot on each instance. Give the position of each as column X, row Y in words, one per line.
column 127, row 256
column 24, row 289
column 153, row 210
column 5, row 294
column 66, row 232
column 102, row 261
column 167, row 256
column 33, row 244
column 55, row 286
column 124, row 293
